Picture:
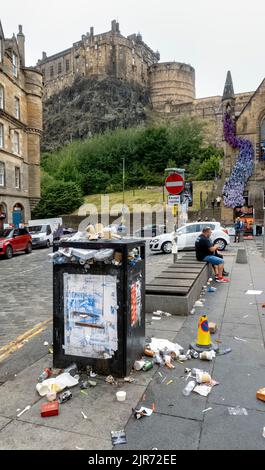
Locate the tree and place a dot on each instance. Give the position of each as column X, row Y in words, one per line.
column 58, row 198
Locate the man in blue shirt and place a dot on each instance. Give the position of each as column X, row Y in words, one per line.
column 205, row 251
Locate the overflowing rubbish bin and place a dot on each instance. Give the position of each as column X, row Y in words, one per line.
column 99, row 304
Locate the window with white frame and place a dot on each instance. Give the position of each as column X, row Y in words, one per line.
column 15, row 64
column 2, row 97
column 17, row 107
column 2, row 174
column 1, row 135
column 17, row 177
column 16, row 142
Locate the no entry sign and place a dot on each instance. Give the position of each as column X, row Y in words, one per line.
column 175, row 183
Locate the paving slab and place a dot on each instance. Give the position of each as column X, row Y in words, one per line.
column 20, row 392
column 161, row 432
column 240, row 330
column 251, row 352
column 224, row 432
column 100, row 405
column 244, row 317
column 25, row 436
column 173, row 323
column 163, row 334
column 238, row 385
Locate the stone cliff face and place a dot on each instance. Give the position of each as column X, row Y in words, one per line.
column 92, row 106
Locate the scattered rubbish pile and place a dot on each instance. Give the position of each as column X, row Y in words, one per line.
column 52, row 384
column 204, row 381
column 87, row 257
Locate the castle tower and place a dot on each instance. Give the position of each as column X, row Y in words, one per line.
column 171, row 83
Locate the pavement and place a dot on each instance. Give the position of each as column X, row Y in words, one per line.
column 178, row 422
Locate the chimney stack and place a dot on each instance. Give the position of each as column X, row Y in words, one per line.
column 92, row 31
column 44, row 56
column 21, row 45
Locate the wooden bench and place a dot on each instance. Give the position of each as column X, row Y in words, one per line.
column 178, row 286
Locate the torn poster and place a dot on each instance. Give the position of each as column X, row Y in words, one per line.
column 90, row 315
column 136, row 303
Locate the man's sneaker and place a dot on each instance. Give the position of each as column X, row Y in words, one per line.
column 222, row 279
column 225, row 273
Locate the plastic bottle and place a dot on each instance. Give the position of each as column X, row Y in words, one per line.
column 45, row 375
column 189, row 387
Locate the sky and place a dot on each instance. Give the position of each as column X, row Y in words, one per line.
column 212, row 35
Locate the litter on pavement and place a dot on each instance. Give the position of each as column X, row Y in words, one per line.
column 240, row 339
column 237, row 411
column 202, row 390
column 207, row 409
column 24, row 411
column 118, row 437
column 261, row 394
column 143, row 411
column 254, row 292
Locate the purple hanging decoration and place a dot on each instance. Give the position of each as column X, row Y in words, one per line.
column 234, row 187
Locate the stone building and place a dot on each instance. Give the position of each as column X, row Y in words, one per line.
column 107, row 54
column 20, row 131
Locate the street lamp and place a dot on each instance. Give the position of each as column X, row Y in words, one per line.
column 123, row 190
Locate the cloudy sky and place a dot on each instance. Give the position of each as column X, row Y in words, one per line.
column 211, row 35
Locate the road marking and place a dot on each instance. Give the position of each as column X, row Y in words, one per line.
column 18, row 343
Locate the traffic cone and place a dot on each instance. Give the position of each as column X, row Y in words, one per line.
column 204, row 337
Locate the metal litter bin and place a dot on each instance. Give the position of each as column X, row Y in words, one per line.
column 99, row 306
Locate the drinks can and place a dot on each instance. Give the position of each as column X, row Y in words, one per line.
column 148, row 365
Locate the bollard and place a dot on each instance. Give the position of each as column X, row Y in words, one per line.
column 241, row 256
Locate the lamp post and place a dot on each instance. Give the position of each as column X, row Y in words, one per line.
column 123, row 190
column 264, row 234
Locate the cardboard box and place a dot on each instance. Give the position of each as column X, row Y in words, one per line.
column 212, row 327
column 261, row 394
column 49, row 409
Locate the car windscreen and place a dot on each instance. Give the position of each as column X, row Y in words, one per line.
column 36, row 229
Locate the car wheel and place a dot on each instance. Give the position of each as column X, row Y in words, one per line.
column 167, row 247
column 28, row 250
column 48, row 244
column 221, row 242
column 9, row 252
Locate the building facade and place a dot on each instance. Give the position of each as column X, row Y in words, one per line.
column 20, row 131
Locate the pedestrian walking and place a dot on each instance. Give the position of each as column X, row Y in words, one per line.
column 218, row 201
column 238, row 228
column 213, row 203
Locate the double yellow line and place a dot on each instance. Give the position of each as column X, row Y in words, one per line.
column 19, row 342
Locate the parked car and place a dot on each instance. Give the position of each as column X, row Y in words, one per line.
column 41, row 235
column 149, row 231
column 14, row 240
column 187, row 236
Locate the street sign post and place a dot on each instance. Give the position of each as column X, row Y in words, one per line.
column 175, row 183
column 173, row 200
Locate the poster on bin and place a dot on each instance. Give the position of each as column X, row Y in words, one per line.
column 90, row 315
column 136, row 303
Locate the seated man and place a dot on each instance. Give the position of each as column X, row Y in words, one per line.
column 205, row 251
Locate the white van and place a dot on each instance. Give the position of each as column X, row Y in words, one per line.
column 43, row 231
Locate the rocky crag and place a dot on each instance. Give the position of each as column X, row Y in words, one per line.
column 92, row 106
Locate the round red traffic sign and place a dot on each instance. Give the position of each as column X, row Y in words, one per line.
column 175, row 183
